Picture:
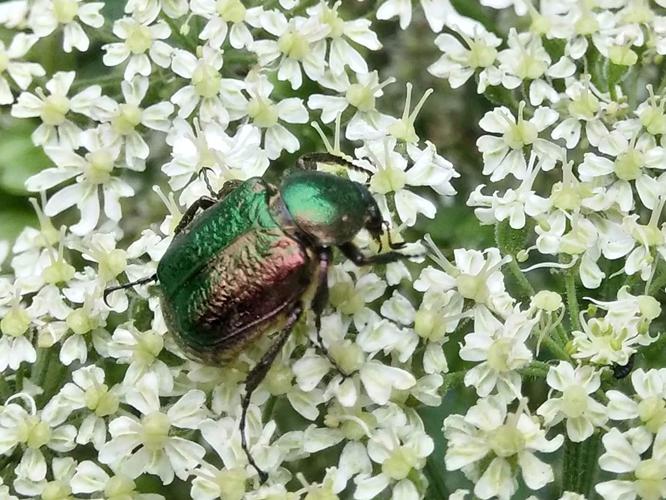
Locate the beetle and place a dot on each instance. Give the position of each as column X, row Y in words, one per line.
column 250, row 260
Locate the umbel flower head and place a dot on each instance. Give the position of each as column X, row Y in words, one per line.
column 283, row 356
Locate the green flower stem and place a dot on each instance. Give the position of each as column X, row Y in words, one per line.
column 526, row 287
column 175, row 32
column 102, row 81
column 588, row 462
column 5, row 390
column 562, row 335
column 452, row 380
column 556, row 349
column 580, row 464
column 39, row 369
column 536, row 369
column 572, row 299
column 54, row 380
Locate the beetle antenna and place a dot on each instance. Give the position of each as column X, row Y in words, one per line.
column 112, row 289
column 204, row 173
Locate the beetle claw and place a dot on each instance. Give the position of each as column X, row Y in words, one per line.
column 111, row 289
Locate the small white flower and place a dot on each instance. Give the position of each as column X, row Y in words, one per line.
column 219, row 99
column 508, row 440
column 458, row 63
column 141, row 38
column 581, row 412
column 267, row 114
column 301, row 41
column 47, row 15
column 645, row 477
column 10, row 64
column 31, row 431
column 503, row 155
column 93, row 174
column 56, row 129
column 499, row 348
column 647, row 406
column 91, row 478
column 220, row 14
column 146, row 444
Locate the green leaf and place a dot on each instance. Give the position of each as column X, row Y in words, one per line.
column 20, row 159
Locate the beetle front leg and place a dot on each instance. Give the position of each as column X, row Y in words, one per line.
column 309, row 162
column 257, row 374
column 353, row 253
column 202, row 203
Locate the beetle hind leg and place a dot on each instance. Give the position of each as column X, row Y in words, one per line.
column 257, row 374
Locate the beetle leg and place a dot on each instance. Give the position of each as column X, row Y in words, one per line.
column 257, row 374
column 353, row 253
column 142, row 281
column 202, row 203
column 309, row 162
column 321, row 299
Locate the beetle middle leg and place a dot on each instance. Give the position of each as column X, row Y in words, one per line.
column 320, row 300
column 258, row 373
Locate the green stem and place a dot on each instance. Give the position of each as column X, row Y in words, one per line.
column 524, row 284
column 572, row 299
column 536, row 369
column 175, row 31
column 55, row 376
column 588, row 463
column 562, row 335
column 451, row 381
column 556, row 349
column 39, row 369
column 436, row 486
column 102, row 81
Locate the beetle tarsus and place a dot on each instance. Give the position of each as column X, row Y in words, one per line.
column 202, row 203
column 112, row 289
column 621, row 371
column 353, row 253
column 309, row 162
column 257, row 374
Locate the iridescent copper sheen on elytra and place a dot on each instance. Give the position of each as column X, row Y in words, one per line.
column 237, row 270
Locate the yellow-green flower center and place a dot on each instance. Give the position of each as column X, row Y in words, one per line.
column 119, row 488
column 263, row 112
column 480, row 55
column 232, row 11
column 54, row 110
column 80, row 321
column 59, row 271
column 361, row 97
column 128, row 117
column 155, row 430
column 400, row 463
column 100, row 165
column 206, row 80
column 231, row 483
column 294, row 45
column 65, row 10
column 506, row 441
column 574, row 401
column 16, row 322
column 139, row 38
column 498, row 354
column 56, row 490
column 628, row 165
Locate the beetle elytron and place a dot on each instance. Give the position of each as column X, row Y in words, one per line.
column 256, row 257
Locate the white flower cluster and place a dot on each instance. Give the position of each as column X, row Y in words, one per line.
column 96, row 394
column 574, row 157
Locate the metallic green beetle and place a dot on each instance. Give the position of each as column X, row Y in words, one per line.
column 256, row 258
